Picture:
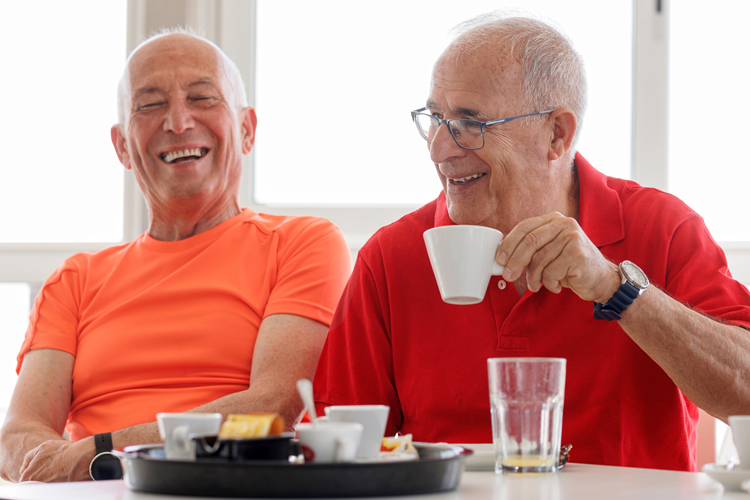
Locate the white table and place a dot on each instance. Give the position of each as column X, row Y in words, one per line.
column 576, row 481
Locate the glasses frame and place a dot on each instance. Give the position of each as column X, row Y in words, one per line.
column 481, row 124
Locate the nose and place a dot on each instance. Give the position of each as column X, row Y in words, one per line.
column 443, row 146
column 178, row 118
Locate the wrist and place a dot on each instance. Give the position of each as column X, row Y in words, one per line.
column 104, row 465
column 633, row 283
column 610, row 284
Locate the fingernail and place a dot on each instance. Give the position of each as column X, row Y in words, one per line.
column 501, row 258
column 508, row 274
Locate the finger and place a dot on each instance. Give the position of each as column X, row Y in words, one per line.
column 514, row 237
column 27, row 459
column 552, row 281
column 532, row 242
column 541, row 260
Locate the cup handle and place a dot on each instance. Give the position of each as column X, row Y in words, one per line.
column 497, row 269
column 346, row 449
column 180, row 436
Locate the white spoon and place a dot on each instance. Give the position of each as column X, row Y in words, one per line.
column 305, row 389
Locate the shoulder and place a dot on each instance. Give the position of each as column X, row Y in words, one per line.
column 651, row 206
column 97, row 259
column 293, row 228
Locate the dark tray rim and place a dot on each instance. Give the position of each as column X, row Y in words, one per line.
column 439, row 469
column 141, row 452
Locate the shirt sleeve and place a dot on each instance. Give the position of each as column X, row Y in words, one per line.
column 698, row 275
column 356, row 366
column 313, row 264
column 53, row 323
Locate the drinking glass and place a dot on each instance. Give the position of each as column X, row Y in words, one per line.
column 526, row 401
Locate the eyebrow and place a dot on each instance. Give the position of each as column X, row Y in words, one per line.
column 203, row 81
column 150, row 90
column 145, row 90
column 461, row 111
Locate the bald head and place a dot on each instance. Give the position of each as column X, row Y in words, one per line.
column 180, row 46
column 550, row 71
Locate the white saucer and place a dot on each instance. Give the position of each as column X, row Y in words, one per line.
column 731, row 479
column 483, row 457
column 389, row 457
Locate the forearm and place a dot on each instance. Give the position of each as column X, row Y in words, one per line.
column 708, row 361
column 260, row 398
column 255, row 399
column 18, row 437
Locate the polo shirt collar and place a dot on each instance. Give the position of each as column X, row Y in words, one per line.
column 600, row 209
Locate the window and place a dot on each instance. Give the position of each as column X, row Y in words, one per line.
column 333, row 100
column 14, row 317
column 708, row 168
column 60, row 178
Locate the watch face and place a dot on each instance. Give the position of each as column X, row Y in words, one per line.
column 634, row 274
column 106, row 466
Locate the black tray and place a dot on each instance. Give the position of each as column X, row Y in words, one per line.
column 439, row 468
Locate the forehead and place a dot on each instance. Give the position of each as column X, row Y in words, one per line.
column 175, row 60
column 484, row 79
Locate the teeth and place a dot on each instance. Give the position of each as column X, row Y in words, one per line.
column 173, row 155
column 464, row 180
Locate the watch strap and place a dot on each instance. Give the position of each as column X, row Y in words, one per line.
column 613, row 309
column 103, row 442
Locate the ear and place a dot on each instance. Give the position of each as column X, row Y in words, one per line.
column 119, row 141
column 249, row 124
column 564, row 126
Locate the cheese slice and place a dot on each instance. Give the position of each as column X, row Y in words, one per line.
column 252, row 425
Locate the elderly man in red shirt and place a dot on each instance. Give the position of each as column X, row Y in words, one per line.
column 641, row 359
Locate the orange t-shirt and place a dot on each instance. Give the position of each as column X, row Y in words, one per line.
column 167, row 326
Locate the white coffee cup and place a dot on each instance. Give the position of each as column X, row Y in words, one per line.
column 463, row 260
column 177, row 430
column 740, row 425
column 329, row 442
column 373, row 419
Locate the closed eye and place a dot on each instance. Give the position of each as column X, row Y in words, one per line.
column 151, row 105
column 202, row 101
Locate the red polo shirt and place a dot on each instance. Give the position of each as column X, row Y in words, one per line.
column 393, row 340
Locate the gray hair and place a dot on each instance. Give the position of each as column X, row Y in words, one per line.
column 231, row 72
column 553, row 72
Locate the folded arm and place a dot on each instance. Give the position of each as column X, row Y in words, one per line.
column 32, row 447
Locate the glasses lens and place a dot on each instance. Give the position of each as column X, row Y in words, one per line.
column 468, row 133
column 427, row 125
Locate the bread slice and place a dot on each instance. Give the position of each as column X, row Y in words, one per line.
column 252, row 425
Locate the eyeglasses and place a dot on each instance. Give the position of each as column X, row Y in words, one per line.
column 469, row 134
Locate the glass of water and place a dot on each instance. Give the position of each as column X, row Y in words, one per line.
column 526, row 401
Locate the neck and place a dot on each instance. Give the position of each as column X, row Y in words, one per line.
column 559, row 194
column 182, row 224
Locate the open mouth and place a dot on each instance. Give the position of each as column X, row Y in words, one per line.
column 184, row 155
column 465, row 180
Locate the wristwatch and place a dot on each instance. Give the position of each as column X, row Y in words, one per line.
column 634, row 283
column 105, row 465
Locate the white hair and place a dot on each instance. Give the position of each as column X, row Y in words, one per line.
column 231, row 72
column 553, row 72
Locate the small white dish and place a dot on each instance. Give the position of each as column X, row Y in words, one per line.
column 387, row 456
column 483, row 457
column 731, row 479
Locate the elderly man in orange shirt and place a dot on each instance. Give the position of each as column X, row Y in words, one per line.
column 214, row 309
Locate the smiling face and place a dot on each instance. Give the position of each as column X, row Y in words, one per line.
column 505, row 181
column 184, row 135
